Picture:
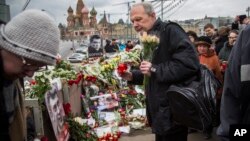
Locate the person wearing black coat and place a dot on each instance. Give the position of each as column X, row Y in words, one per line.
column 174, row 61
column 235, row 105
column 112, row 48
column 222, row 38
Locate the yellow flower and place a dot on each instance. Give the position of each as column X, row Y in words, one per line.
column 149, row 39
column 123, row 95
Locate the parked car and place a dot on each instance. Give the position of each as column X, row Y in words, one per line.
column 81, row 50
column 84, row 45
column 76, row 57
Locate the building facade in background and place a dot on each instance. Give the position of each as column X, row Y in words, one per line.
column 82, row 24
column 197, row 25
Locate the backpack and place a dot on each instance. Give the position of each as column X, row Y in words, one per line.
column 193, row 105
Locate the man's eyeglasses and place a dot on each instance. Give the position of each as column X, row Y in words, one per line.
column 32, row 67
column 232, row 37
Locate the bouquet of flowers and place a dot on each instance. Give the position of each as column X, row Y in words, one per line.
column 149, row 42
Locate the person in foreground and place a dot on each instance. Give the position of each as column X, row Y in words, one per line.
column 235, row 106
column 27, row 43
column 175, row 61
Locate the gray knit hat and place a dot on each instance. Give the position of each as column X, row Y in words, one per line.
column 32, row 34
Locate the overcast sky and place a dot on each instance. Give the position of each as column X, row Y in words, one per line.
column 187, row 9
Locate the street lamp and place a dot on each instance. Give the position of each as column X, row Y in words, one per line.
column 128, row 14
column 248, row 10
column 26, row 4
column 72, row 40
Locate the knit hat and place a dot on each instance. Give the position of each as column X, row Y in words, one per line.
column 204, row 40
column 32, row 34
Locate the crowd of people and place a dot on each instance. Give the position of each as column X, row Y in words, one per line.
column 111, row 46
column 214, row 49
column 95, row 48
column 224, row 51
column 27, row 46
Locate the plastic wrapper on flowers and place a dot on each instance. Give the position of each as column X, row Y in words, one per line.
column 137, row 120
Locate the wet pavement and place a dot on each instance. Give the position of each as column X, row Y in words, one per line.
column 145, row 135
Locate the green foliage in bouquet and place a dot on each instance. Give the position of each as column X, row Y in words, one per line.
column 80, row 132
column 132, row 57
column 64, row 74
column 132, row 100
column 42, row 85
column 64, row 70
column 63, row 65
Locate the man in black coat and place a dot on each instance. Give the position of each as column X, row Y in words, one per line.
column 174, row 61
column 235, row 105
column 112, row 48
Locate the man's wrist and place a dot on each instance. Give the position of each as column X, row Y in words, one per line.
column 152, row 69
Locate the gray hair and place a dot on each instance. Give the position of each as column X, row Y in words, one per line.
column 148, row 7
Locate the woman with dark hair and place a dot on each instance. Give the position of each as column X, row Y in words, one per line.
column 222, row 38
column 192, row 36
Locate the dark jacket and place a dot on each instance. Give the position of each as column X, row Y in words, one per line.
column 111, row 48
column 219, row 43
column 12, row 119
column 95, row 53
column 175, row 60
column 225, row 52
column 235, row 106
column 4, row 117
column 235, row 26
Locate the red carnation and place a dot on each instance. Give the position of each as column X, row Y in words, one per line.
column 33, row 82
column 71, row 82
column 132, row 92
column 67, row 108
column 88, row 78
column 122, row 68
column 44, row 138
column 93, row 79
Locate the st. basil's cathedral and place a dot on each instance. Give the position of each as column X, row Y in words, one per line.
column 83, row 23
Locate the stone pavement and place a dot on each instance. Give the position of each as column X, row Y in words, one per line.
column 145, row 135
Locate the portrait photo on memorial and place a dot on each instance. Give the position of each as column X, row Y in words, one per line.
column 56, row 113
column 95, row 48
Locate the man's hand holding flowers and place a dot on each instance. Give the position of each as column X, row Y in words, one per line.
column 145, row 68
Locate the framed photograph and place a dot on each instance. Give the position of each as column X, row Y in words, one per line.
column 95, row 48
column 56, row 113
column 103, row 102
